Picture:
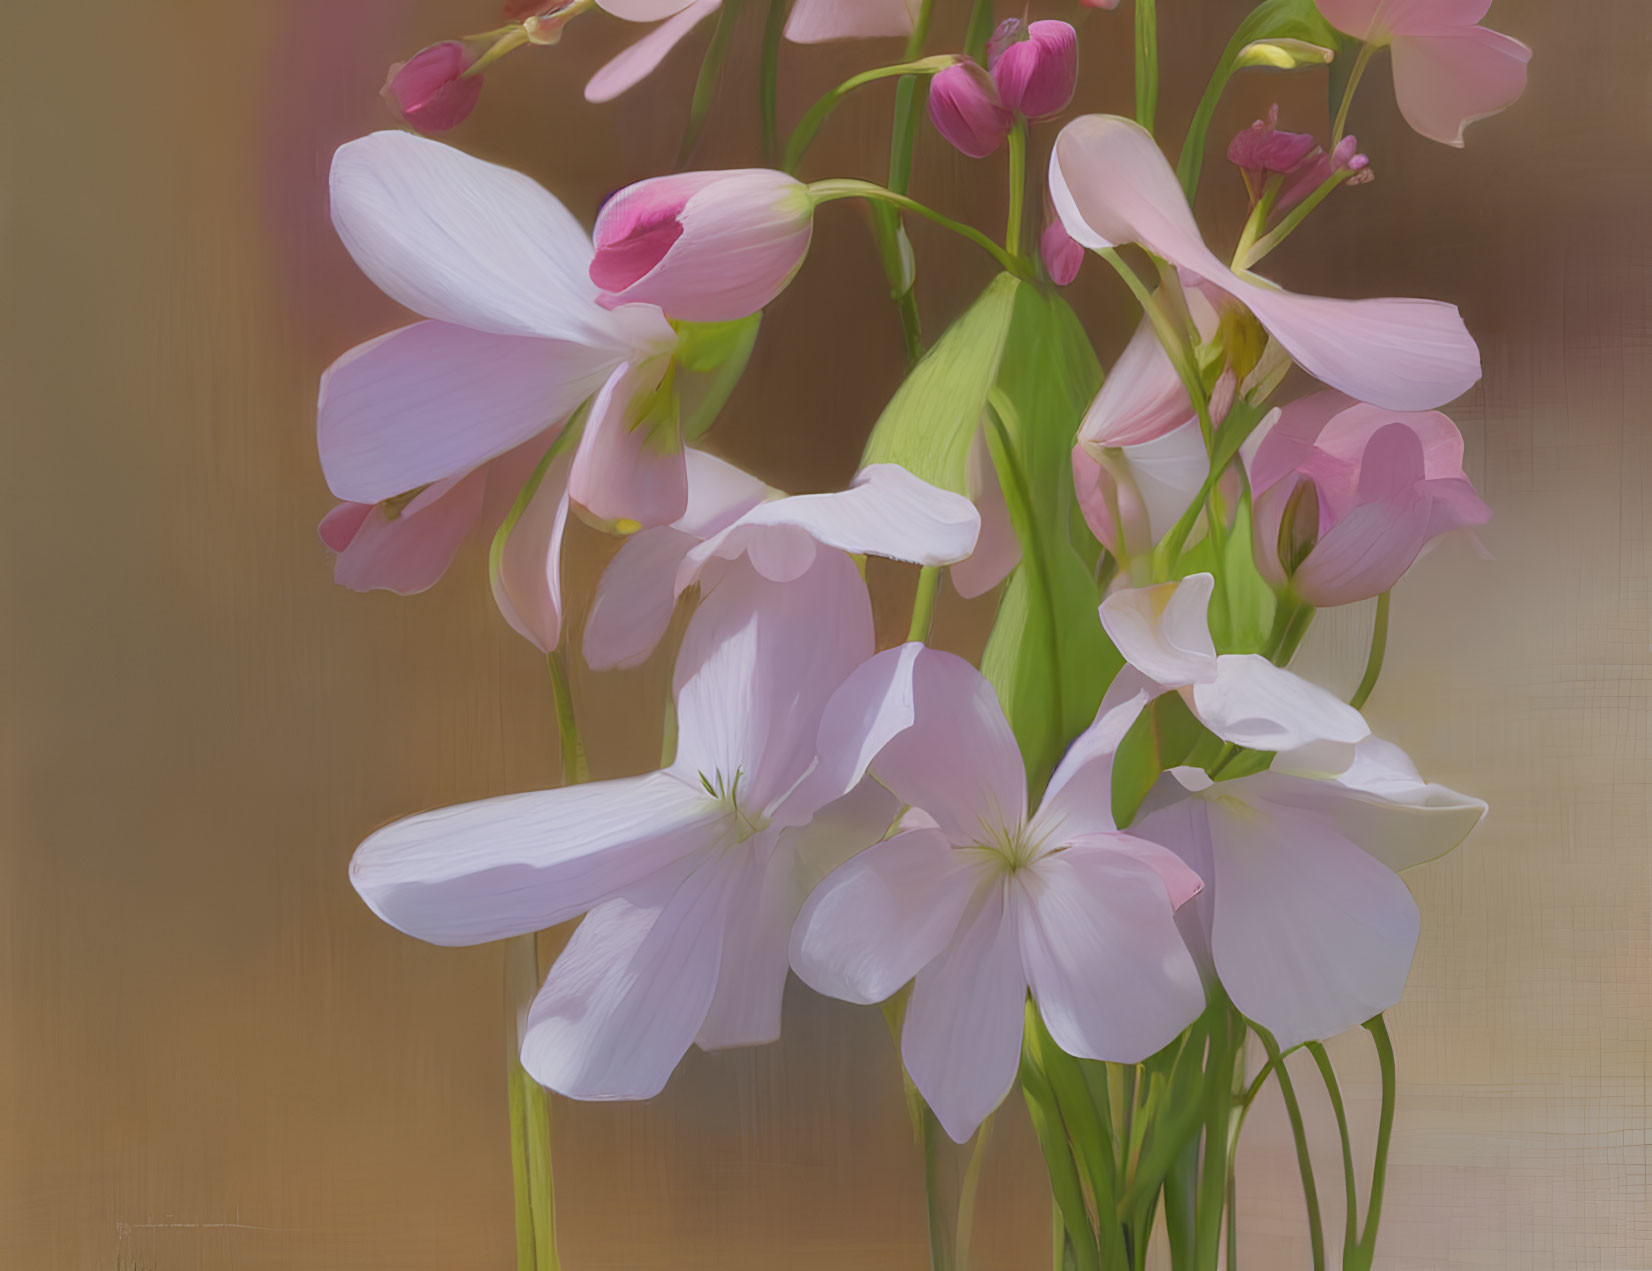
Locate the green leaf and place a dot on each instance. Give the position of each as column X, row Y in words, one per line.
column 1164, row 735
column 1272, row 19
column 1242, row 610
column 714, row 355
column 934, row 416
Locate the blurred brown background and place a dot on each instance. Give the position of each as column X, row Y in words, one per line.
column 212, row 1056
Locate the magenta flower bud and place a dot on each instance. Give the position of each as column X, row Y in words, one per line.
column 1035, row 72
column 964, row 107
column 427, row 91
column 1099, row 4
column 703, row 246
column 1321, row 167
column 1061, row 255
column 1262, row 150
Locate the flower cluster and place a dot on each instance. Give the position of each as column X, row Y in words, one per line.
column 1131, row 836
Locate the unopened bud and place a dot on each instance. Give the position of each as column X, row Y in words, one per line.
column 964, row 107
column 1035, row 68
column 430, row 90
column 1283, row 55
column 1062, row 256
column 1299, row 526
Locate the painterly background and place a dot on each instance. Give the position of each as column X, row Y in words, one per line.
column 212, row 1056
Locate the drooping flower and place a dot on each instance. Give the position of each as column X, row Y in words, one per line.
column 980, row 902
column 515, row 339
column 964, row 107
column 1111, row 185
column 703, row 246
column 1035, row 66
column 690, row 877
column 886, row 512
column 430, row 91
column 1371, row 489
column 1448, row 71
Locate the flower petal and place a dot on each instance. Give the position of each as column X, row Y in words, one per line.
column 631, row 990
column 629, row 470
column 1111, row 975
column 817, row 21
column 878, row 920
column 635, row 599
column 1079, row 798
column 636, row 63
column 962, row 1036
column 523, row 862
column 758, row 663
column 1254, row 703
column 997, row 550
column 411, row 552
column 527, row 577
column 1142, row 397
column 433, row 401
column 1449, row 78
column 1310, row 934
column 1164, row 630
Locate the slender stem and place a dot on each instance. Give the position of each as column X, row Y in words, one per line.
column 1280, row 232
column 530, row 1121
column 510, row 39
column 574, row 768
column 1018, row 184
column 1360, row 63
column 1230, row 1250
column 893, row 244
column 1378, row 1029
column 1350, row 1224
column 979, row 31
column 768, row 76
column 1299, row 1135
column 1147, row 63
column 1213, row 1172
column 846, row 188
column 1258, row 216
column 804, row 133
column 711, row 75
column 923, row 603
column 941, row 1228
column 966, row 1196
column 1171, row 338
column 1374, row 659
column 521, row 1186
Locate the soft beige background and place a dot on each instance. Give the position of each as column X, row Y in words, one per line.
column 213, row 1057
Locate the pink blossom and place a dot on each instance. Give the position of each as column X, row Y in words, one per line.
column 1111, row 185
column 964, row 107
column 979, row 902
column 430, row 90
column 1035, row 67
column 703, row 246
column 1383, row 485
column 1448, row 71
column 1062, row 257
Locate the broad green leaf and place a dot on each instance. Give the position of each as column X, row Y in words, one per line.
column 931, row 421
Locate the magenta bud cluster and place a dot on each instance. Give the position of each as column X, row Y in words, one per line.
column 1035, row 67
column 965, row 108
column 1262, row 152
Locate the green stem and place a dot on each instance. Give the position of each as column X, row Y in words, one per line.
column 1350, row 1224
column 1290, row 624
column 1374, row 659
column 768, row 76
column 966, row 1196
column 923, row 603
column 521, row 1186
column 1227, row 1039
column 804, row 133
column 941, row 1228
column 893, row 244
column 1299, row 1136
column 847, row 188
column 1258, row 216
column 530, row 1137
column 574, row 769
column 1147, row 63
column 1280, row 232
column 1171, row 337
column 711, row 75
column 510, row 39
column 979, row 31
column 1360, row 63
column 1018, row 184
column 1385, row 1134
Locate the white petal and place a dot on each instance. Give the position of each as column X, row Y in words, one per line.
column 527, row 578
column 1164, row 631
column 758, row 662
column 1079, row 798
column 522, row 862
column 1254, row 703
column 879, row 919
column 962, row 1037
column 625, row 999
column 1111, row 975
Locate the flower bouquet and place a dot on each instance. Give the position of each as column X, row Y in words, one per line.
column 1128, row 860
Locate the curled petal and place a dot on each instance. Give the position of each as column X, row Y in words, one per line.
column 636, row 63
column 629, row 470
column 527, row 576
column 1079, row 797
column 1164, row 631
column 1251, row 702
column 1447, row 80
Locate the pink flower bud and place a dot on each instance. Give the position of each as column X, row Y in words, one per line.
column 1321, row 167
column 427, row 91
column 1099, row 4
column 1062, row 256
column 703, row 246
column 1035, row 71
column 1262, row 150
column 964, row 107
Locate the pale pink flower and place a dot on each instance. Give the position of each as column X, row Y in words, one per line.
column 1448, row 71
column 979, row 902
column 703, row 246
column 1034, row 66
column 1384, row 483
column 430, row 90
column 1111, row 185
column 1062, row 257
column 886, row 511
column 691, row 875
column 515, row 340
column 964, row 107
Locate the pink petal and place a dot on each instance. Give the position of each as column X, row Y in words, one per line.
column 1446, row 80
column 527, row 582
column 758, row 663
column 1152, row 483
column 930, row 728
column 1292, row 437
column 631, row 990
column 411, row 552
column 1108, row 968
column 433, row 401
column 1251, row 702
column 881, row 918
column 1112, row 185
column 637, row 62
column 1079, row 798
column 523, row 862
column 340, row 524
column 1164, row 630
column 718, row 494
column 468, row 242
column 816, row 21
column 643, row 10
column 1310, row 935
column 635, row 599
column 628, row 471
column 997, row 550
column 1142, row 397
column 962, row 1036
column 1381, row 19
